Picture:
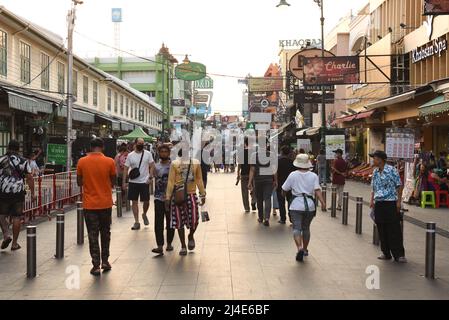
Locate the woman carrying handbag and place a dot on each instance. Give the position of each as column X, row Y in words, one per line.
column 182, row 201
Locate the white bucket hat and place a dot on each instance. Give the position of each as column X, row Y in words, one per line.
column 302, row 161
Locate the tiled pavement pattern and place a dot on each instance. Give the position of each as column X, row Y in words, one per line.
column 236, row 258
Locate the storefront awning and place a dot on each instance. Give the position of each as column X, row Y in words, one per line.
column 281, row 130
column 28, row 104
column 125, row 126
column 115, row 125
column 308, row 132
column 437, row 105
column 77, row 115
column 392, row 100
column 364, row 115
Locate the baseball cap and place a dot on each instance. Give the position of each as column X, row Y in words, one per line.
column 379, row 154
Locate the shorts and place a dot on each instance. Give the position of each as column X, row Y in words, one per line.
column 139, row 190
column 186, row 215
column 12, row 207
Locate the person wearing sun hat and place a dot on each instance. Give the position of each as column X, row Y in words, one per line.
column 305, row 188
column 386, row 203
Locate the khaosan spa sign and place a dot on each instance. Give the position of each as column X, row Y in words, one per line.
column 433, row 48
column 300, row 43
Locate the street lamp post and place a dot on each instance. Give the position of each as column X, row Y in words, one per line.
column 71, row 17
column 323, row 101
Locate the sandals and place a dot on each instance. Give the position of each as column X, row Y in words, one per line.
column 169, row 248
column 183, row 252
column 158, row 251
column 15, row 248
column 191, row 244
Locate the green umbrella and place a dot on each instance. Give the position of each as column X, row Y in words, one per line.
column 137, row 133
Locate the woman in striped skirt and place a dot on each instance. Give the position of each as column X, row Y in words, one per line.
column 185, row 215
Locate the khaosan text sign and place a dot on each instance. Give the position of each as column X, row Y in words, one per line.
column 331, row 70
column 436, row 7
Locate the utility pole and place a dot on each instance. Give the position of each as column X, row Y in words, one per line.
column 323, row 101
column 71, row 17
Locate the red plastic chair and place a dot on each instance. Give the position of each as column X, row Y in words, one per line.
column 442, row 194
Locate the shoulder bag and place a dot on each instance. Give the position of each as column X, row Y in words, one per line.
column 135, row 173
column 180, row 192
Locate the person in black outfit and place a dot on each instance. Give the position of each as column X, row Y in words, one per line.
column 285, row 167
column 243, row 176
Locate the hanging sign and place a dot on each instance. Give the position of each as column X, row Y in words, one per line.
column 400, row 143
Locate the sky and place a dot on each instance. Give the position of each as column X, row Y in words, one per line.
column 231, row 37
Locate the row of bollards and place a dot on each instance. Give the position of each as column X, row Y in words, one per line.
column 430, row 230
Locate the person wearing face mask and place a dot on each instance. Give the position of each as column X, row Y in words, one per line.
column 139, row 161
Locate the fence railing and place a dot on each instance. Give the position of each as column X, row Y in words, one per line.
column 52, row 192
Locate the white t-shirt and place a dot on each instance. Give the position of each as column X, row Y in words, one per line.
column 302, row 182
column 133, row 161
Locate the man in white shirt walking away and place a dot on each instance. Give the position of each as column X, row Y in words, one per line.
column 137, row 167
column 305, row 188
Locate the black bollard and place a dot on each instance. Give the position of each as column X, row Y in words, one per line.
column 376, row 240
column 430, row 250
column 344, row 216
column 119, row 201
column 79, row 223
column 334, row 202
column 31, row 252
column 358, row 217
column 59, row 236
column 324, row 191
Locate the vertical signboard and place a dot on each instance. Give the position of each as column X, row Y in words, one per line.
column 334, row 142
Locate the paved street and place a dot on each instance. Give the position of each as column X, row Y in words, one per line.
column 236, row 258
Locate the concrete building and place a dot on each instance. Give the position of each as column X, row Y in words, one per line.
column 33, row 82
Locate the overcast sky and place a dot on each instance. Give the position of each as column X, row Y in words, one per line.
column 231, row 37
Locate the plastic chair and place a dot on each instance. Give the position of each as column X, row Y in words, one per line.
column 428, row 198
column 442, row 194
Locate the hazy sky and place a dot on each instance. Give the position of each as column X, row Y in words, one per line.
column 231, row 37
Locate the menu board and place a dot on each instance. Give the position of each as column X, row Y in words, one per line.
column 400, row 143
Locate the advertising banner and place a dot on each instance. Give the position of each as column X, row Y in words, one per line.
column 57, row 153
column 436, row 7
column 400, row 143
column 304, row 144
column 334, row 142
column 333, row 70
column 266, row 84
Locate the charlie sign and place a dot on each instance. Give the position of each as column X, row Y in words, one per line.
column 436, row 7
column 332, row 70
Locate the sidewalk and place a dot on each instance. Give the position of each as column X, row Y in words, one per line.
column 236, row 258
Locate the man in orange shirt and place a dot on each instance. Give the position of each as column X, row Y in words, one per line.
column 96, row 173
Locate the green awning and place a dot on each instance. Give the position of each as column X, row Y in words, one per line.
column 137, row 133
column 21, row 103
column 437, row 105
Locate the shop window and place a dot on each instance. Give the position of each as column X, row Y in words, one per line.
column 400, row 73
column 95, row 93
column 85, row 89
column 121, row 104
column 127, row 108
column 115, row 102
column 25, row 62
column 3, row 53
column 109, row 100
column 45, row 71
column 61, row 77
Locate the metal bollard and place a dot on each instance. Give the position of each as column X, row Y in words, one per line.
column 60, row 236
column 344, row 216
column 128, row 203
column 334, row 202
column 430, row 250
column 31, row 252
column 358, row 217
column 376, row 240
column 324, row 192
column 119, row 202
column 79, row 223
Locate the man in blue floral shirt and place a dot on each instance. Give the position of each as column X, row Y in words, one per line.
column 386, row 202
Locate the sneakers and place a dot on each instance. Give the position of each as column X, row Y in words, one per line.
column 191, row 243
column 384, row 257
column 106, row 266
column 281, row 221
column 300, row 256
column 95, row 271
column 253, row 206
column 306, row 253
column 145, row 219
column 5, row 243
column 401, row 260
column 169, row 248
column 247, row 211
column 266, row 223
column 136, row 226
column 259, row 220
column 158, row 251
column 183, row 252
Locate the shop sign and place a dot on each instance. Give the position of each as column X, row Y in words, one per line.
column 433, row 48
column 303, row 97
column 266, row 84
column 178, row 102
column 334, row 142
column 179, row 111
column 296, row 63
column 191, row 71
column 304, row 144
column 206, row 83
column 57, row 153
column 436, row 7
column 400, row 143
column 332, row 70
column 299, row 43
column 178, row 119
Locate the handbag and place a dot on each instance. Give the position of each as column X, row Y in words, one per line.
column 180, row 194
column 135, row 172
